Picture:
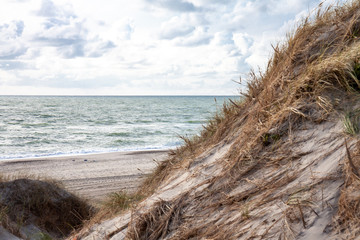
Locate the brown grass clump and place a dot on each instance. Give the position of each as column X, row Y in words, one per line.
column 158, row 222
column 42, row 204
column 307, row 80
column 348, row 220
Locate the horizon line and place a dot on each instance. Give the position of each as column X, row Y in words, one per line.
column 41, row 95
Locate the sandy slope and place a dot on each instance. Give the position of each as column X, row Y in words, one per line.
column 319, row 151
column 92, row 176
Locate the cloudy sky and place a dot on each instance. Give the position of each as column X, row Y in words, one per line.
column 138, row 47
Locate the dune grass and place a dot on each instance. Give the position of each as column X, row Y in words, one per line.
column 27, row 200
column 351, row 123
column 308, row 78
column 120, row 201
column 305, row 79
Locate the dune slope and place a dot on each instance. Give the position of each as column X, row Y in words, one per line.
column 282, row 163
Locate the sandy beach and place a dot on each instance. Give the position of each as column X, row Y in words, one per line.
column 92, row 176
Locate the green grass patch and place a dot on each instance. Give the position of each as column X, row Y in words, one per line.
column 120, row 201
column 357, row 70
column 351, row 123
column 43, row 236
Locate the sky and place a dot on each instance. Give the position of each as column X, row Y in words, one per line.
column 139, row 47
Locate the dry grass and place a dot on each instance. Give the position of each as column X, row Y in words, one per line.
column 351, row 122
column 302, row 81
column 161, row 171
column 120, row 201
column 347, row 222
column 157, row 223
column 306, row 80
column 42, row 203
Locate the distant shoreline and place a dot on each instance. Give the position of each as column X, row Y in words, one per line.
column 120, row 96
column 84, row 154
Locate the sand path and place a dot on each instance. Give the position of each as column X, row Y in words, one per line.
column 91, row 176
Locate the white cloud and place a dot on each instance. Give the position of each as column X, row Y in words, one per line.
column 11, row 46
column 174, row 5
column 11, row 31
column 11, row 51
column 200, row 36
column 138, row 47
column 243, row 42
column 260, row 51
column 176, row 27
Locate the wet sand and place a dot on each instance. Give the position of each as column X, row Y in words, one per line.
column 92, row 176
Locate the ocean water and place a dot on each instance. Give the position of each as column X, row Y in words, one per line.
column 32, row 126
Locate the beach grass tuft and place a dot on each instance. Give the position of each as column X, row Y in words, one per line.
column 351, row 123
column 120, row 201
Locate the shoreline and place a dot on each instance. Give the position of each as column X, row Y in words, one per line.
column 75, row 154
column 92, row 176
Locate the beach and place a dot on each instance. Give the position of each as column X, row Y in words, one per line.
column 92, row 176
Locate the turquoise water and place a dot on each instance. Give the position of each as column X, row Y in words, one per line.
column 46, row 126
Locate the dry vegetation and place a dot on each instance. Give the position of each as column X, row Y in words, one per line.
column 306, row 79
column 41, row 206
column 312, row 78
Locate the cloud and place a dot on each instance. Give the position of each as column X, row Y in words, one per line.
column 72, row 51
column 12, row 65
column 166, row 47
column 227, row 41
column 64, row 82
column 11, row 45
column 206, row 2
column 12, row 30
column 288, row 6
column 69, row 39
column 53, row 22
column 243, row 42
column 12, row 51
column 73, row 48
column 176, row 27
column 58, row 42
column 61, row 29
column 49, row 9
column 66, row 32
column 98, row 48
column 223, row 38
column 200, row 36
column 175, row 5
column 120, row 30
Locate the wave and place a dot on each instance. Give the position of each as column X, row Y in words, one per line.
column 86, row 152
column 119, row 134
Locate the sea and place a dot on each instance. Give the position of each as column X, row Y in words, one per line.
column 39, row 126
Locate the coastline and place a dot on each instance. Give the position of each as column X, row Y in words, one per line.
column 92, row 176
column 85, row 153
